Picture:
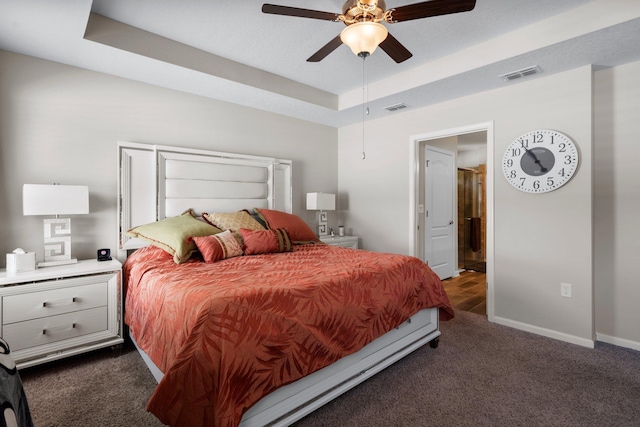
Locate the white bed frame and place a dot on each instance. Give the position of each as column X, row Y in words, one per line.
column 160, row 181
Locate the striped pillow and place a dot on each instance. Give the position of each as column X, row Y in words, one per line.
column 265, row 241
column 218, row 246
column 297, row 229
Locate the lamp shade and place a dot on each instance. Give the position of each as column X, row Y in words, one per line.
column 321, row 202
column 364, row 36
column 40, row 199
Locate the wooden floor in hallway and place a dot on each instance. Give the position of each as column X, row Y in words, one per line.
column 468, row 292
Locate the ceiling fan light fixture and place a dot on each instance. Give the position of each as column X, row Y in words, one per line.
column 364, row 36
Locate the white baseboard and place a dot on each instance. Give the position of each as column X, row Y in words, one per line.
column 620, row 342
column 545, row 332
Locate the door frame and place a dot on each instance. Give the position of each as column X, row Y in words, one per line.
column 415, row 141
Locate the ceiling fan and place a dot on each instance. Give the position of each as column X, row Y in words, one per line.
column 364, row 32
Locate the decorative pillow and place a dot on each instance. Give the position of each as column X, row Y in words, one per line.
column 298, row 230
column 218, row 246
column 255, row 216
column 233, row 221
column 265, row 241
column 171, row 234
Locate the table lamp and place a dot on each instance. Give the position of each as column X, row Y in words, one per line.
column 56, row 200
column 321, row 202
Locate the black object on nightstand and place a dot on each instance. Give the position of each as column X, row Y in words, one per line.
column 104, row 254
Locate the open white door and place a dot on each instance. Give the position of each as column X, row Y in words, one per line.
column 439, row 211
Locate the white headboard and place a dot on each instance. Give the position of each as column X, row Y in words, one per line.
column 157, row 182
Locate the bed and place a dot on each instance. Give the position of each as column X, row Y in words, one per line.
column 265, row 337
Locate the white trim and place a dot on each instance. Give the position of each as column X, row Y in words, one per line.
column 549, row 333
column 414, row 186
column 620, row 342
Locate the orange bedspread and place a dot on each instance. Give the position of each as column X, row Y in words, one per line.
column 227, row 334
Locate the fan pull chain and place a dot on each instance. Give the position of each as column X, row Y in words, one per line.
column 365, row 98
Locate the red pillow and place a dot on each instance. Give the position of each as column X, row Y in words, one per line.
column 218, row 246
column 265, row 241
column 298, row 230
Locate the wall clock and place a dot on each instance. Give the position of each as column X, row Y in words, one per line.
column 540, row 161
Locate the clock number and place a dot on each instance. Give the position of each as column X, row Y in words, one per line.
column 515, row 152
column 552, row 136
column 567, row 159
column 537, row 138
column 510, row 163
column 513, row 174
column 563, row 148
column 561, row 172
column 549, row 181
column 536, row 184
column 522, row 181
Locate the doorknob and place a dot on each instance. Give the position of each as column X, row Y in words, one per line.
column 450, row 222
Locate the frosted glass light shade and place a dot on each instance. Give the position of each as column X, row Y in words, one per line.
column 40, row 199
column 321, row 202
column 364, row 36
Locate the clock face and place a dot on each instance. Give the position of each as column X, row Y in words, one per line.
column 540, row 161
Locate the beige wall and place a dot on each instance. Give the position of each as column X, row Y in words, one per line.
column 60, row 124
column 540, row 240
column 617, row 205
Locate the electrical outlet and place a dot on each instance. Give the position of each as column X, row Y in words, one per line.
column 565, row 290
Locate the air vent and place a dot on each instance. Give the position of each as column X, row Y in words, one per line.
column 395, row 107
column 521, row 73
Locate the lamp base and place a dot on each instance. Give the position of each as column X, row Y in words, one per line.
column 56, row 263
column 321, row 217
column 57, row 243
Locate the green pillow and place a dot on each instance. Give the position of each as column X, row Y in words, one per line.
column 171, row 234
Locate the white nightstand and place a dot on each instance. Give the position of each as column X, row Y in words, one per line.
column 344, row 241
column 54, row 312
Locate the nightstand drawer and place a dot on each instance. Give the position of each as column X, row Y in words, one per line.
column 46, row 330
column 352, row 245
column 18, row 308
column 344, row 241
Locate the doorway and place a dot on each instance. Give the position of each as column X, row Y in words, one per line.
column 472, row 218
column 467, row 292
column 476, row 234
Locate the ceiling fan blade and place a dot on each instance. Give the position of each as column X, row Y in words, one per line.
column 275, row 9
column 326, row 50
column 427, row 9
column 395, row 49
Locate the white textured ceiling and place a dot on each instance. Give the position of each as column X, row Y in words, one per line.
column 230, row 50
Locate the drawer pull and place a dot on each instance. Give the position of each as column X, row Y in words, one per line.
column 407, row 322
column 59, row 302
column 58, row 329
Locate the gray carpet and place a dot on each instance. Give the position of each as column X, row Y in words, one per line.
column 482, row 374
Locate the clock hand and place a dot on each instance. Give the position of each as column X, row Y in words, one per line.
column 535, row 158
